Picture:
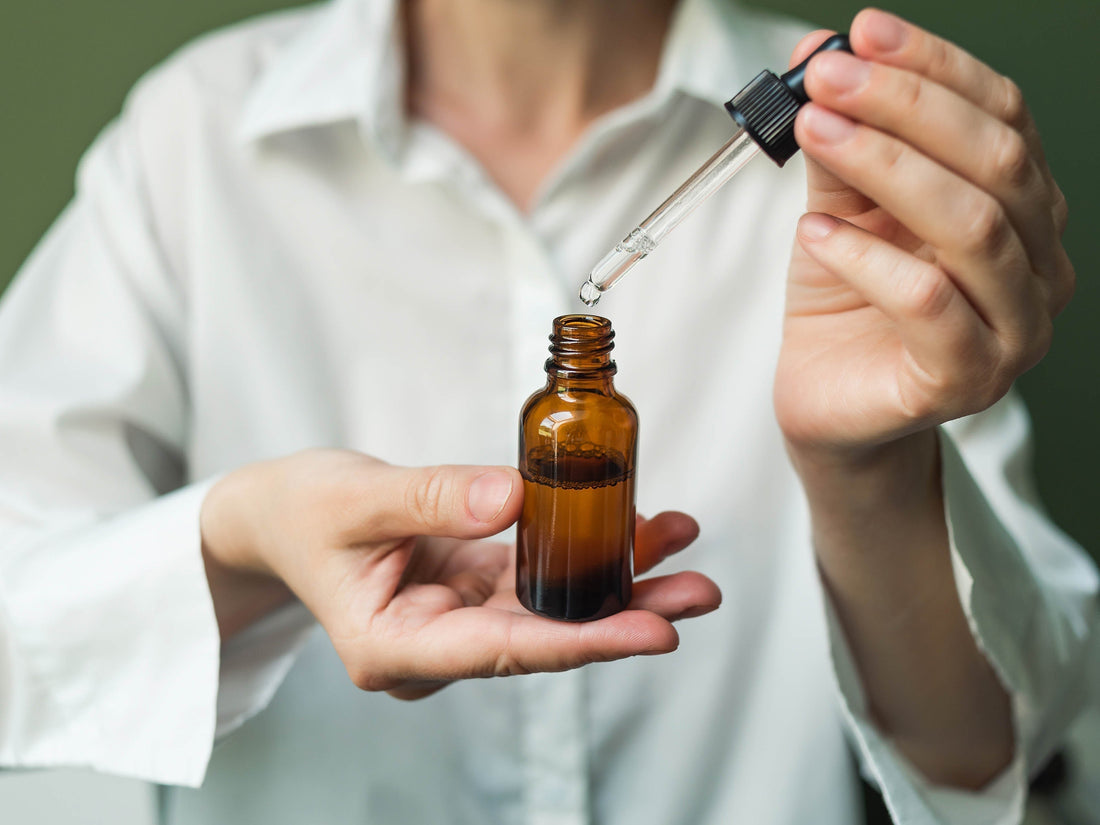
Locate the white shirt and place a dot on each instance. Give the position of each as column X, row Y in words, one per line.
column 265, row 255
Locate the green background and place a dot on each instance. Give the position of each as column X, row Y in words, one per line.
column 65, row 66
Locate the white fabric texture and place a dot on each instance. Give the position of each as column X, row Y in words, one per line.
column 264, row 255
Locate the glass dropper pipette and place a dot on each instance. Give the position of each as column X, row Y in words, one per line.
column 765, row 111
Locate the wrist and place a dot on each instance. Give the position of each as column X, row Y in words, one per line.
column 225, row 524
column 242, row 585
column 879, row 467
column 851, row 487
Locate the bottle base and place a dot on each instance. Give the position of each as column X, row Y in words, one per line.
column 568, row 603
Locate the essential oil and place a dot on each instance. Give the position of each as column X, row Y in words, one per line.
column 577, row 454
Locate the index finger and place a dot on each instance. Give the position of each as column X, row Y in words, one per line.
column 886, row 38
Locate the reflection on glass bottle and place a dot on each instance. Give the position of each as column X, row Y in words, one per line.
column 577, row 450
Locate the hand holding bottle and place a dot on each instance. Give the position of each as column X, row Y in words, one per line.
column 927, row 276
column 397, row 565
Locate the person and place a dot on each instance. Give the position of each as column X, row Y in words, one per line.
column 263, row 376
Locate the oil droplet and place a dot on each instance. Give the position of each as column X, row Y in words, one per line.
column 590, row 293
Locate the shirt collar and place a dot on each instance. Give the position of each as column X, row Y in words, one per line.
column 347, row 64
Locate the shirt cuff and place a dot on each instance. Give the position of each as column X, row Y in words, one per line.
column 909, row 797
column 999, row 596
column 110, row 644
column 255, row 662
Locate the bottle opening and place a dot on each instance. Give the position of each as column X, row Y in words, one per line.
column 581, row 344
column 573, row 324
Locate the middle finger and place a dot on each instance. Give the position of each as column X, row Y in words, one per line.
column 949, row 129
column 967, row 228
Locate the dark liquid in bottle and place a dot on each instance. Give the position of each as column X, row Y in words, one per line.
column 576, row 557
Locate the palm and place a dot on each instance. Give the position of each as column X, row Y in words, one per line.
column 843, row 363
column 453, row 603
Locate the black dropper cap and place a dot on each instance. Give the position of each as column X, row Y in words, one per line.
column 767, row 107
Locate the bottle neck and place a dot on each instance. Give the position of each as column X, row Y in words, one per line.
column 580, row 353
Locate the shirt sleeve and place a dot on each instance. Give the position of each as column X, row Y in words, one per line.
column 109, row 650
column 255, row 662
column 1030, row 596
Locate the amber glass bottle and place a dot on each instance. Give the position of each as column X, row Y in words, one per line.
column 577, row 448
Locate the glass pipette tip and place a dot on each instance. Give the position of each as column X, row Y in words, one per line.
column 765, row 111
column 643, row 239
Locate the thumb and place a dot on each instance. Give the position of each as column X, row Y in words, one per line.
column 451, row 500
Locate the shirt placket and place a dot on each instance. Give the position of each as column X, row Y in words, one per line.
column 555, row 749
column 553, row 741
column 536, row 298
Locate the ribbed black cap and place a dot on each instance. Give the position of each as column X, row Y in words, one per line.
column 767, row 107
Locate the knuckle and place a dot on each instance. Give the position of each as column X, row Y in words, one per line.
column 920, row 404
column 507, row 665
column 980, row 387
column 1064, row 285
column 910, row 92
column 987, row 230
column 928, row 295
column 1042, row 340
column 1014, row 345
column 1021, row 349
column 426, row 494
column 1060, row 210
column 857, row 253
column 963, row 383
column 935, row 396
column 893, row 156
column 1039, row 338
column 1011, row 158
column 1013, row 108
column 941, row 60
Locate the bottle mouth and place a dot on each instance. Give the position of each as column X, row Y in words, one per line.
column 586, row 326
column 581, row 344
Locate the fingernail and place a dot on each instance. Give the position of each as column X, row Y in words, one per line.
column 816, row 227
column 886, row 32
column 827, row 126
column 842, row 71
column 488, row 495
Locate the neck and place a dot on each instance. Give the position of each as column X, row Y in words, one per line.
column 528, row 76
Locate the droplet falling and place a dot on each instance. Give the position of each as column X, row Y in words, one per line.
column 590, row 293
column 643, row 239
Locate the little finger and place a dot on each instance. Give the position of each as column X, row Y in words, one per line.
column 663, row 535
